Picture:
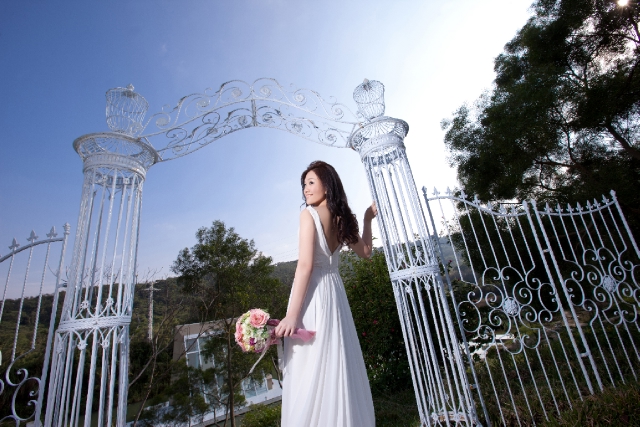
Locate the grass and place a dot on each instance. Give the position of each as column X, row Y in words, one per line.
column 613, row 407
column 393, row 410
column 618, row 406
column 530, row 385
column 397, row 409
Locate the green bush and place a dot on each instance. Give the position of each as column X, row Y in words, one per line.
column 262, row 416
column 375, row 314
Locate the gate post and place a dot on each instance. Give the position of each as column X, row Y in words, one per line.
column 440, row 382
column 91, row 350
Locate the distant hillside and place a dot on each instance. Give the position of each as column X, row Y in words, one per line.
column 285, row 271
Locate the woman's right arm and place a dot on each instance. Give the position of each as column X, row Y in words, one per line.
column 288, row 325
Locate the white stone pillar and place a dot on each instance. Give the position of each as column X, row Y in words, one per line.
column 441, row 386
column 90, row 358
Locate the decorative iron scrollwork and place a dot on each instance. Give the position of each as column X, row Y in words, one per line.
column 201, row 118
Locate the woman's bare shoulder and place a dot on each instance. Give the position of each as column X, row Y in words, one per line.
column 305, row 216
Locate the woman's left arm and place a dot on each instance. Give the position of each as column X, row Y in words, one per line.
column 364, row 246
column 288, row 325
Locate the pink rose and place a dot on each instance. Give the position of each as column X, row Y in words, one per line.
column 258, row 318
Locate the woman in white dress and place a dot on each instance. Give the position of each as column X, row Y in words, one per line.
column 324, row 380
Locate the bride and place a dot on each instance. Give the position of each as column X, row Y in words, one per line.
column 325, row 381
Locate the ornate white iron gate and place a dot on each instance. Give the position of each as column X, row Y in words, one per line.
column 547, row 301
column 25, row 345
column 90, row 356
column 553, row 316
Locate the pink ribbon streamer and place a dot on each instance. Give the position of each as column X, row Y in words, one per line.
column 298, row 333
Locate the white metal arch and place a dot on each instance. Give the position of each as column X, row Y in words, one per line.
column 201, row 118
column 94, row 328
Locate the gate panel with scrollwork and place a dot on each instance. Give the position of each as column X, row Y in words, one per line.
column 547, row 301
column 31, row 275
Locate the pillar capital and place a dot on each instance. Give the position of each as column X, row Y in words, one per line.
column 115, row 151
column 379, row 136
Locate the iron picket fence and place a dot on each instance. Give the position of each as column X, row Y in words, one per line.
column 546, row 298
column 26, row 334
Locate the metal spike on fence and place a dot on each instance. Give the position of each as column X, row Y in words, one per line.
column 475, row 199
column 463, row 195
column 52, row 233
column 435, row 191
column 559, row 208
column 448, row 192
column 14, row 245
column 579, row 207
column 32, row 237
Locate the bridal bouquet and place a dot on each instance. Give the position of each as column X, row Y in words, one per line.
column 254, row 335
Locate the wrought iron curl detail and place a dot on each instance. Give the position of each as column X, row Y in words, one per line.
column 24, row 373
column 201, row 118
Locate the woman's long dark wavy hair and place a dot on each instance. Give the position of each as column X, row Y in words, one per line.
column 343, row 219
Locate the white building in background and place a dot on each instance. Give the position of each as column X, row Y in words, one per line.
column 188, row 344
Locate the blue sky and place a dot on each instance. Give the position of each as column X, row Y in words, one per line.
column 58, row 58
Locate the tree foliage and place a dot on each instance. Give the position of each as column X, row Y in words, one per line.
column 228, row 276
column 563, row 117
column 263, row 416
column 375, row 314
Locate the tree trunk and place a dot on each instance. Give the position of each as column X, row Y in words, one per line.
column 633, row 152
column 153, row 371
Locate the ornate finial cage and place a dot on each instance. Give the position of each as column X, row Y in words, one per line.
column 125, row 110
column 370, row 98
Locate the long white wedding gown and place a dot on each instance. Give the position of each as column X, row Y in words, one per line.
column 324, row 380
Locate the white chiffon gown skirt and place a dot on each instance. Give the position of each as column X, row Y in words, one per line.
column 325, row 382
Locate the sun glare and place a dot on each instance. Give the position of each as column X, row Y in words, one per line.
column 623, row 3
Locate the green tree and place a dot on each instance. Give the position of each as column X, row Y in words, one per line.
column 374, row 311
column 228, row 276
column 187, row 399
column 263, row 416
column 151, row 362
column 562, row 119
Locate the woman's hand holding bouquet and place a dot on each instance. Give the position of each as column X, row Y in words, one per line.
column 255, row 332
